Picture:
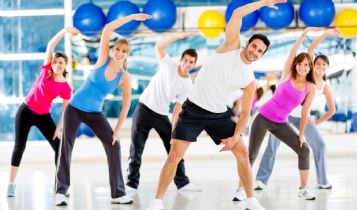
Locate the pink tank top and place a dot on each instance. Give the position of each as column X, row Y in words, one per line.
column 283, row 102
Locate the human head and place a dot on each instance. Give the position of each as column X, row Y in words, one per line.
column 257, row 45
column 121, row 50
column 302, row 65
column 321, row 63
column 58, row 64
column 188, row 60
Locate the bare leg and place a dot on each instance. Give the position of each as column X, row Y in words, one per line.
column 13, row 173
column 304, row 178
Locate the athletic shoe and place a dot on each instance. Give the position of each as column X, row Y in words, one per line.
column 11, row 190
column 122, row 200
column 306, row 194
column 190, row 188
column 155, row 204
column 259, row 185
column 60, row 200
column 253, row 204
column 130, row 190
column 239, row 194
column 324, row 186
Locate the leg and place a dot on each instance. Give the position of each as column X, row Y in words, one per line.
column 101, row 127
column 163, row 128
column 178, row 149
column 268, row 160
column 71, row 122
column 141, row 126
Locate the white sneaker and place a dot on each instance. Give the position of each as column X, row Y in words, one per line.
column 253, row 204
column 155, row 204
column 190, row 188
column 239, row 194
column 259, row 185
column 122, row 200
column 60, row 200
column 306, row 193
column 130, row 190
column 324, row 186
column 11, row 190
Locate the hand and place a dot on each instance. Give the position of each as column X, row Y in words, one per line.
column 230, row 142
column 115, row 137
column 141, row 16
column 57, row 134
column 333, row 31
column 271, row 3
column 302, row 139
column 71, row 30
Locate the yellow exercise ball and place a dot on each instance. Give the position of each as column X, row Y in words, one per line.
column 346, row 21
column 211, row 24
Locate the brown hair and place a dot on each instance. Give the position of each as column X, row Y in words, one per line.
column 325, row 59
column 191, row 52
column 55, row 56
column 121, row 42
column 299, row 59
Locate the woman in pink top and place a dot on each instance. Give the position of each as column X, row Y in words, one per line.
column 297, row 87
column 35, row 111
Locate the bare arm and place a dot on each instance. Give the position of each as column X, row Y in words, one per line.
column 317, row 41
column 107, row 32
column 58, row 133
column 54, row 42
column 126, row 87
column 305, row 111
column 175, row 114
column 232, row 38
column 161, row 45
column 330, row 103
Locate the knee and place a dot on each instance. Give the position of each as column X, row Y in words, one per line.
column 174, row 158
column 241, row 151
column 305, row 151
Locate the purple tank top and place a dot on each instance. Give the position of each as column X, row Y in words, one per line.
column 283, row 102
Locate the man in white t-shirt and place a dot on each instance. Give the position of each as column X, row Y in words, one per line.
column 227, row 70
column 171, row 82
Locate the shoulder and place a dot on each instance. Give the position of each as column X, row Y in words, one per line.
column 311, row 87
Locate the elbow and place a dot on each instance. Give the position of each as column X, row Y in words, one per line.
column 238, row 13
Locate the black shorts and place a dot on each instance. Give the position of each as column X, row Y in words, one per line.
column 194, row 119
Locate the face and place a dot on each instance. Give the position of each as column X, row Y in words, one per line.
column 187, row 63
column 303, row 68
column 320, row 67
column 120, row 52
column 58, row 65
column 255, row 50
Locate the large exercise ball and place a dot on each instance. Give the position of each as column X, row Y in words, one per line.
column 278, row 18
column 89, row 19
column 163, row 15
column 346, row 21
column 122, row 9
column 211, row 24
column 249, row 20
column 317, row 13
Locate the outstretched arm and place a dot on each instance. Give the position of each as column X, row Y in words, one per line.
column 232, row 39
column 55, row 40
column 317, row 41
column 108, row 30
column 161, row 45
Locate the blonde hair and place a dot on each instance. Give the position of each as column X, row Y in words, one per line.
column 120, row 42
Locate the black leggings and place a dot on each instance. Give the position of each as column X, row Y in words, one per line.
column 25, row 119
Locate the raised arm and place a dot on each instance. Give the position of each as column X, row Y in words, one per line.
column 317, row 41
column 55, row 40
column 232, row 38
column 161, row 45
column 107, row 32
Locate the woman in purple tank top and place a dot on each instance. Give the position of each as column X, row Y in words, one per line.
column 297, row 87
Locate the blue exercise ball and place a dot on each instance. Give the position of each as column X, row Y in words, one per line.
column 278, row 18
column 249, row 20
column 89, row 19
column 122, row 9
column 163, row 15
column 317, row 13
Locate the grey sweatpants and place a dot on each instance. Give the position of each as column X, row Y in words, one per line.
column 284, row 132
column 101, row 127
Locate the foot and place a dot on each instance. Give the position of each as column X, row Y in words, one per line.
column 125, row 199
column 11, row 190
column 60, row 200
column 253, row 204
column 240, row 194
column 190, row 188
column 324, row 186
column 155, row 204
column 130, row 190
column 259, row 185
column 306, row 194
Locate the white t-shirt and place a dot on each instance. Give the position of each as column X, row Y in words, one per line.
column 165, row 86
column 319, row 94
column 219, row 77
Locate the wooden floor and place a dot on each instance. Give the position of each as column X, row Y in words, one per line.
column 216, row 177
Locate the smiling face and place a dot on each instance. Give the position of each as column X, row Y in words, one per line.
column 321, row 64
column 59, row 63
column 254, row 50
column 187, row 63
column 120, row 52
column 302, row 67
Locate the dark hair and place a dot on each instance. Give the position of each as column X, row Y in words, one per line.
column 298, row 59
column 325, row 59
column 273, row 88
column 259, row 92
column 55, row 56
column 191, row 52
column 260, row 37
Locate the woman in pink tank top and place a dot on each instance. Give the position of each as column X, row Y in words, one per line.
column 35, row 111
